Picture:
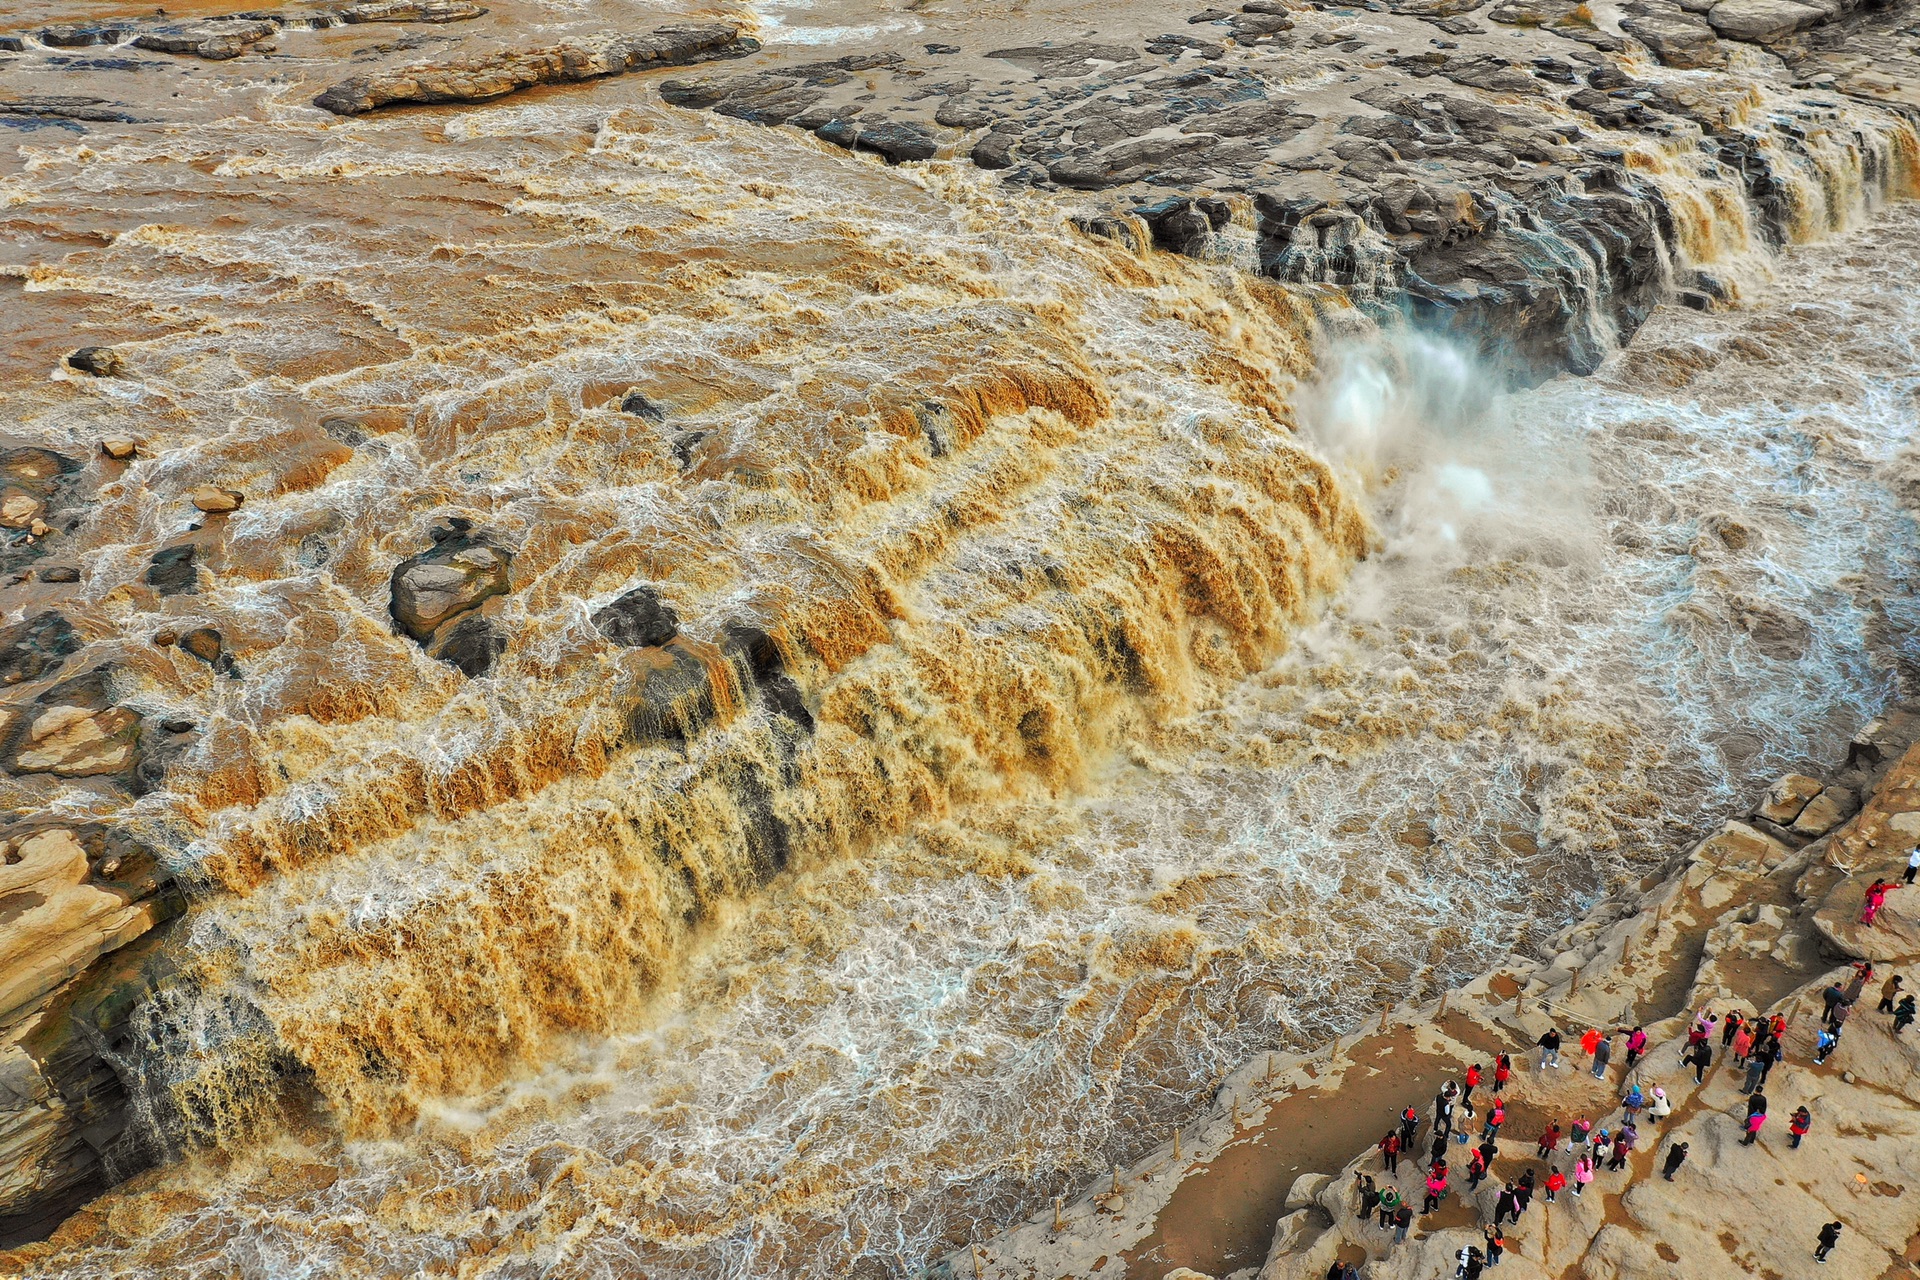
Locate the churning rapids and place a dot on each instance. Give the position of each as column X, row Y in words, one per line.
column 1188, row 666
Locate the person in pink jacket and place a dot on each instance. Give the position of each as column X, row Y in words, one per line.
column 1742, row 1045
column 1876, row 898
column 1582, row 1174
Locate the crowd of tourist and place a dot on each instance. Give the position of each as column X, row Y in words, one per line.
column 1570, row 1153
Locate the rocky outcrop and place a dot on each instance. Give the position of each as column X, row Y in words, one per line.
column 1748, row 920
column 79, row 910
column 1762, row 21
column 215, row 39
column 1478, row 181
column 435, row 11
column 482, row 77
column 66, row 107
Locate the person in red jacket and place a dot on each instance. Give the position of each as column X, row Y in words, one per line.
column 1390, row 1151
column 1798, row 1124
column 1555, row 1181
column 1473, row 1082
column 1502, row 1068
column 1549, row 1140
column 1496, row 1118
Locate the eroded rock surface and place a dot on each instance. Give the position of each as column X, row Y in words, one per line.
column 486, row 76
column 72, row 901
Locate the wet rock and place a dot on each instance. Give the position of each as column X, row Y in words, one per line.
column 65, row 107
column 481, row 77
column 87, row 908
column 639, row 406
column 436, row 11
column 1131, row 161
column 61, row 923
column 1067, row 60
column 472, row 642
column 1787, row 797
column 214, row 500
column 119, row 448
column 59, row 573
column 208, row 645
column 462, row 569
column 638, row 619
column 963, row 113
column 1677, row 38
column 757, row 658
column 36, row 647
column 83, row 35
column 1762, row 21
column 173, row 570
column 35, row 469
column 673, row 696
column 215, row 39
column 101, row 362
column 1250, row 27
column 19, row 509
column 1775, row 632
column 74, row 730
column 995, row 151
column 895, row 140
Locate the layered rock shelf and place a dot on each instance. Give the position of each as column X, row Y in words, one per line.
column 1762, row 916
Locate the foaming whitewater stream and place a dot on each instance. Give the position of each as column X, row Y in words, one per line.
column 1117, row 764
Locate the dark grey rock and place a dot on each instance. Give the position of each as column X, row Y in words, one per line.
column 472, row 642
column 638, row 619
column 173, row 570
column 896, row 141
column 101, row 362
column 35, row 648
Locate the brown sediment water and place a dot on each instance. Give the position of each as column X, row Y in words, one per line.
column 1175, row 648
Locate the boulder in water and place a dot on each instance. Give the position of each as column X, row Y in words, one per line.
column 172, row 570
column 214, row 500
column 208, row 645
column 461, row 570
column 19, row 509
column 637, row 404
column 35, row 648
column 472, row 642
column 101, row 362
column 436, row 595
column 895, row 141
column 638, row 619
